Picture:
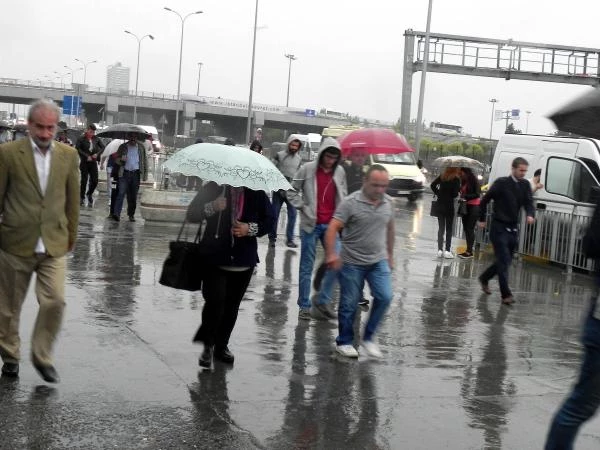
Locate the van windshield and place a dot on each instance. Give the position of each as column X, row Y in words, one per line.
column 407, row 158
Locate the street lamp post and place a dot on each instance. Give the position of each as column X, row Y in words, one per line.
column 85, row 64
column 249, row 123
column 527, row 122
column 198, row 87
column 423, row 77
column 291, row 58
column 493, row 101
column 137, row 70
column 183, row 19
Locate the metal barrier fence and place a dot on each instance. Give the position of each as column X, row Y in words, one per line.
column 556, row 236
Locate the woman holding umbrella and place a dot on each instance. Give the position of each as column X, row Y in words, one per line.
column 470, row 192
column 446, row 188
column 235, row 217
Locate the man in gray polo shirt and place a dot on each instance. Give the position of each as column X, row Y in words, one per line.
column 366, row 220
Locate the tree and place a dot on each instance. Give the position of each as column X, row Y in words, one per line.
column 476, row 151
column 510, row 129
column 455, row 148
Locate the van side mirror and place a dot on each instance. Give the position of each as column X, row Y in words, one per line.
column 594, row 195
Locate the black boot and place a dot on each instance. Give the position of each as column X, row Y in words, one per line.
column 224, row 355
column 206, row 358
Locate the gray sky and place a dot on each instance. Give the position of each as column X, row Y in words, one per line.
column 349, row 52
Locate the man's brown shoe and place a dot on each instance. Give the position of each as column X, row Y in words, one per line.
column 508, row 300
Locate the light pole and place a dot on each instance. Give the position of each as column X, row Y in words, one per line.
column 137, row 70
column 85, row 64
column 423, row 76
column 291, row 58
column 198, row 88
column 493, row 101
column 527, row 123
column 183, row 19
column 249, row 123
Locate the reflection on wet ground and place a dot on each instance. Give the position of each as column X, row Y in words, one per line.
column 461, row 371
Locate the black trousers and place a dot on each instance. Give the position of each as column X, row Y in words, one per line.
column 89, row 169
column 445, row 223
column 223, row 292
column 468, row 223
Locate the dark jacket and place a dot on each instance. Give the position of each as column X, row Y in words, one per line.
column 120, row 163
column 229, row 250
column 473, row 190
column 354, row 177
column 86, row 150
column 446, row 192
column 509, row 197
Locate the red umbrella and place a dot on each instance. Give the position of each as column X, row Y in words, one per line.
column 374, row 141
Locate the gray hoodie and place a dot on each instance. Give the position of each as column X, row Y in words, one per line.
column 304, row 197
column 288, row 163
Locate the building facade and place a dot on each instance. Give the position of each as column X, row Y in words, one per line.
column 117, row 78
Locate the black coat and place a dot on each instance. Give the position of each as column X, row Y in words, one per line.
column 229, row 250
column 446, row 192
column 85, row 149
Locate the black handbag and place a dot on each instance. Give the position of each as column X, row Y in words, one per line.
column 461, row 210
column 435, row 208
column 182, row 268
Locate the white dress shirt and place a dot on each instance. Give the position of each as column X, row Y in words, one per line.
column 42, row 167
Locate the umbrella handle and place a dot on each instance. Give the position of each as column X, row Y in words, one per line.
column 220, row 212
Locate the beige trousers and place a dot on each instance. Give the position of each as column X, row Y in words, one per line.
column 15, row 275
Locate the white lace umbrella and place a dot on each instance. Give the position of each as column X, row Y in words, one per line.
column 227, row 164
column 457, row 161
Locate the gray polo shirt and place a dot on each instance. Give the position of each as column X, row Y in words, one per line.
column 364, row 237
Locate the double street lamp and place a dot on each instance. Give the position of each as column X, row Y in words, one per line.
column 291, row 58
column 183, row 19
column 199, row 70
column 137, row 70
column 493, row 101
column 85, row 64
column 249, row 123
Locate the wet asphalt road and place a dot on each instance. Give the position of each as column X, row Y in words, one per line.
column 461, row 371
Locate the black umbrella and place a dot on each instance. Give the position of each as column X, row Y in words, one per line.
column 581, row 116
column 123, row 131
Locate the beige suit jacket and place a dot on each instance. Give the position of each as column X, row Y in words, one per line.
column 28, row 214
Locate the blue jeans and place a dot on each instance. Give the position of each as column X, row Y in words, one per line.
column 585, row 398
column 278, row 200
column 352, row 281
column 504, row 242
column 308, row 249
column 128, row 185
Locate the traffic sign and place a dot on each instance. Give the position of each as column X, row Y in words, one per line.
column 72, row 105
column 514, row 114
column 310, row 113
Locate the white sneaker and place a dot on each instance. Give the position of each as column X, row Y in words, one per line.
column 448, row 255
column 440, row 253
column 347, row 350
column 371, row 348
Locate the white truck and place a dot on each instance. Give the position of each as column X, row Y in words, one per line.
column 570, row 174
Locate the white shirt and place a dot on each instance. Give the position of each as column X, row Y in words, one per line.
column 42, row 167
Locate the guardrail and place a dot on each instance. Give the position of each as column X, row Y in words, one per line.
column 555, row 236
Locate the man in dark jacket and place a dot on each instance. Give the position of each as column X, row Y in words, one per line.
column 510, row 194
column 354, row 171
column 89, row 147
column 131, row 165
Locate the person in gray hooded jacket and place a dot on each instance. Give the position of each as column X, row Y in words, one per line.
column 319, row 187
column 288, row 162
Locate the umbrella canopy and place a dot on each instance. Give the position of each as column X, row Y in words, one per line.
column 112, row 147
column 226, row 164
column 374, row 141
column 457, row 161
column 122, row 131
column 581, row 116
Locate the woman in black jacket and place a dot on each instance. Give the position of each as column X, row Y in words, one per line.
column 446, row 188
column 235, row 217
column 470, row 191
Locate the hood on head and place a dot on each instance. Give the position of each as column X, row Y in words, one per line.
column 292, row 138
column 331, row 145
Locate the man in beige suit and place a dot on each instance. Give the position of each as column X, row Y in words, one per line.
column 39, row 207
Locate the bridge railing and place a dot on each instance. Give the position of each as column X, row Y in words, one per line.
column 556, row 236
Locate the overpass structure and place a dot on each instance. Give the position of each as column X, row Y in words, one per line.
column 497, row 58
column 228, row 116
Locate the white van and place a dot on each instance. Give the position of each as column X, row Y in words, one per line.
column 570, row 167
column 154, row 132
